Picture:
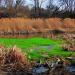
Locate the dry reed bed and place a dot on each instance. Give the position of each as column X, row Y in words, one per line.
column 36, row 25
column 13, row 59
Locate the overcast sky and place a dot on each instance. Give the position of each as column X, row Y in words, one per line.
column 29, row 2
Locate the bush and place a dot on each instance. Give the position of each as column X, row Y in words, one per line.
column 14, row 60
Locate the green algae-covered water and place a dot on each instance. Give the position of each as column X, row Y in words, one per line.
column 37, row 48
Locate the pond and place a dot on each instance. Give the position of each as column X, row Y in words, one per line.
column 40, row 70
column 43, row 47
column 31, row 35
column 39, row 52
column 71, row 69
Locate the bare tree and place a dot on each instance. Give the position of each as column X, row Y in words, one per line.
column 50, row 7
column 0, row 1
column 9, row 3
column 37, row 6
column 74, row 5
column 68, row 4
column 18, row 5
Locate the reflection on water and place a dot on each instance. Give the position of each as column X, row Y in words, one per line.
column 44, row 35
column 71, row 69
column 45, row 47
column 40, row 70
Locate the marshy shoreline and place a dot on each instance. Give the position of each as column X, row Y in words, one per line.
column 45, row 44
column 14, row 62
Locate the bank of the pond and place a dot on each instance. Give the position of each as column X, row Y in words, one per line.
column 28, row 45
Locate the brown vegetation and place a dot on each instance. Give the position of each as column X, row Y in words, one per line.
column 13, row 59
column 69, row 47
column 22, row 25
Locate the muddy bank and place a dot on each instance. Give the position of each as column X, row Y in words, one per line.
column 56, row 67
column 14, row 62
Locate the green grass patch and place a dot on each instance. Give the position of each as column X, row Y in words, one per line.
column 27, row 45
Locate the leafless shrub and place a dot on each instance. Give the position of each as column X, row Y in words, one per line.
column 14, row 60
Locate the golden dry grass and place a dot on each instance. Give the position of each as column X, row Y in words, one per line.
column 36, row 25
column 13, row 58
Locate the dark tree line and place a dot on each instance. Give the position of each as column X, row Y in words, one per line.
column 17, row 8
